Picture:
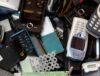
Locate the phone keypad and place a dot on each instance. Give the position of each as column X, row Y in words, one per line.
column 80, row 27
column 24, row 40
column 93, row 25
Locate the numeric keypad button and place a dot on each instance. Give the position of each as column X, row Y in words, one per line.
column 92, row 22
column 96, row 25
column 90, row 25
column 95, row 16
column 94, row 28
column 99, row 30
column 93, row 19
column 98, row 20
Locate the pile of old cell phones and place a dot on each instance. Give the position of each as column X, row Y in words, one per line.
column 84, row 31
column 49, row 38
column 29, row 40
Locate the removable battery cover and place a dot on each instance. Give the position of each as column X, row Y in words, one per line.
column 50, row 40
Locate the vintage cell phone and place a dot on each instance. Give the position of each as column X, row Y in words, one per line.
column 1, row 33
column 24, row 40
column 91, row 68
column 8, row 57
column 93, row 26
column 78, row 40
column 32, row 14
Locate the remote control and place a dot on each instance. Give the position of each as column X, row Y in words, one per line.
column 78, row 40
column 93, row 26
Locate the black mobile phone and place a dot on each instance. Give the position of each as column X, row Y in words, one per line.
column 32, row 14
column 93, row 26
column 23, row 38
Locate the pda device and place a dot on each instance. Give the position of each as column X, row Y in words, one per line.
column 78, row 40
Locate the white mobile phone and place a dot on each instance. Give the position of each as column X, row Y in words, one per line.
column 78, row 40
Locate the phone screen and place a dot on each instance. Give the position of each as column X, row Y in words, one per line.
column 78, row 43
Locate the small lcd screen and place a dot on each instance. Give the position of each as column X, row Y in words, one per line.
column 78, row 43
